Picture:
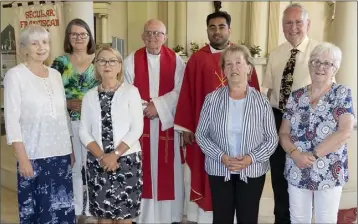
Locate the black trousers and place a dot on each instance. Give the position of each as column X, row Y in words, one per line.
column 236, row 195
column 279, row 183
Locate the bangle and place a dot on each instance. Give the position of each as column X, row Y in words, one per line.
column 314, row 153
column 291, row 151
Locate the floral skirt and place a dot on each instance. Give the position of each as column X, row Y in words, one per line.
column 47, row 197
column 115, row 195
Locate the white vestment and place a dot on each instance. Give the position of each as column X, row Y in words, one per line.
column 152, row 210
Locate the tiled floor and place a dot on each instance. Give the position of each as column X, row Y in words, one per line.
column 9, row 212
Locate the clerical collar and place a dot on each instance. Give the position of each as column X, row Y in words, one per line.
column 152, row 54
column 215, row 50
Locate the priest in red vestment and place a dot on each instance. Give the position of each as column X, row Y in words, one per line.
column 202, row 76
column 157, row 72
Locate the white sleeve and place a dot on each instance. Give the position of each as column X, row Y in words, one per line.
column 85, row 130
column 136, row 118
column 128, row 68
column 12, row 106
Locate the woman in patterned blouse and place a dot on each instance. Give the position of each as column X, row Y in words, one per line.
column 77, row 70
column 317, row 123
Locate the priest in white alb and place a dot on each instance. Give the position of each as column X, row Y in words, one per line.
column 157, row 72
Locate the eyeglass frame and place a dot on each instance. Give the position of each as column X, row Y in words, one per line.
column 107, row 62
column 83, row 35
column 298, row 23
column 326, row 65
column 148, row 33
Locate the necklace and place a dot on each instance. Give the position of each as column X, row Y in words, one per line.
column 102, row 89
column 313, row 100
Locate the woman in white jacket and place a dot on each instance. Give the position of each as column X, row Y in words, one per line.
column 111, row 125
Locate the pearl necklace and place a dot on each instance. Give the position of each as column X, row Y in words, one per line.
column 102, row 89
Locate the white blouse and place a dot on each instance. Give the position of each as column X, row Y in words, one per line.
column 36, row 113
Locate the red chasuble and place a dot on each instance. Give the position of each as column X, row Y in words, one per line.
column 165, row 159
column 202, row 76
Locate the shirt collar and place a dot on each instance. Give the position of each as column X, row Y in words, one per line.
column 302, row 46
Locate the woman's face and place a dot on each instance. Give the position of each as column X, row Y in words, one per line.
column 108, row 66
column 322, row 68
column 79, row 37
column 236, row 68
column 38, row 49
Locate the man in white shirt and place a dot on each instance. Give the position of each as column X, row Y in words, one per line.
column 157, row 72
column 287, row 70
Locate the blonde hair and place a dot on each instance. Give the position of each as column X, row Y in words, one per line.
column 32, row 32
column 119, row 58
column 234, row 48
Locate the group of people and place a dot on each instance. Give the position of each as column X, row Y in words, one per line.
column 113, row 139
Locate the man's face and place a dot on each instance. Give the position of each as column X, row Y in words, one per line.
column 294, row 27
column 154, row 35
column 218, row 32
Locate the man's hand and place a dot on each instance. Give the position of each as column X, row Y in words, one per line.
column 188, row 137
column 150, row 112
column 74, row 105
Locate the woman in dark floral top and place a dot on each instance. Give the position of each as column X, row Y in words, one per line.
column 317, row 123
column 77, row 71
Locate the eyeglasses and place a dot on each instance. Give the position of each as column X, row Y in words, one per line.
column 153, row 33
column 298, row 23
column 326, row 64
column 111, row 62
column 81, row 35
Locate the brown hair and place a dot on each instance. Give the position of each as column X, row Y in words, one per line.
column 119, row 57
column 234, row 48
column 91, row 46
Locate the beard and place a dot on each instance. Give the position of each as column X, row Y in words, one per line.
column 219, row 45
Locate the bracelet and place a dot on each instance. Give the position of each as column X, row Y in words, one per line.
column 291, row 151
column 314, row 153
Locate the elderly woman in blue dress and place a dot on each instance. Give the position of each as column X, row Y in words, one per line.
column 237, row 134
column 38, row 128
column 318, row 121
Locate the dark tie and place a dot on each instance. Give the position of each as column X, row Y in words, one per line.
column 287, row 80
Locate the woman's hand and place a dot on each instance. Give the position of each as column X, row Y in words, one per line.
column 109, row 162
column 239, row 163
column 302, row 159
column 74, row 105
column 236, row 164
column 25, row 168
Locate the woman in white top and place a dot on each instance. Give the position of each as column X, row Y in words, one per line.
column 111, row 125
column 37, row 126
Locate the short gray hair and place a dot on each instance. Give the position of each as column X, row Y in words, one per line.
column 32, row 32
column 304, row 12
column 326, row 47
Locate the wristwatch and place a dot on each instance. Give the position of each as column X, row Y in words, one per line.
column 116, row 152
column 314, row 153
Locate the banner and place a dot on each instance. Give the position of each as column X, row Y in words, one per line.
column 47, row 15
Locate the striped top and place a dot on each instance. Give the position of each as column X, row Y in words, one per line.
column 259, row 135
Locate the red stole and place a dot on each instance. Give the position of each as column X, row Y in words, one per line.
column 165, row 160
